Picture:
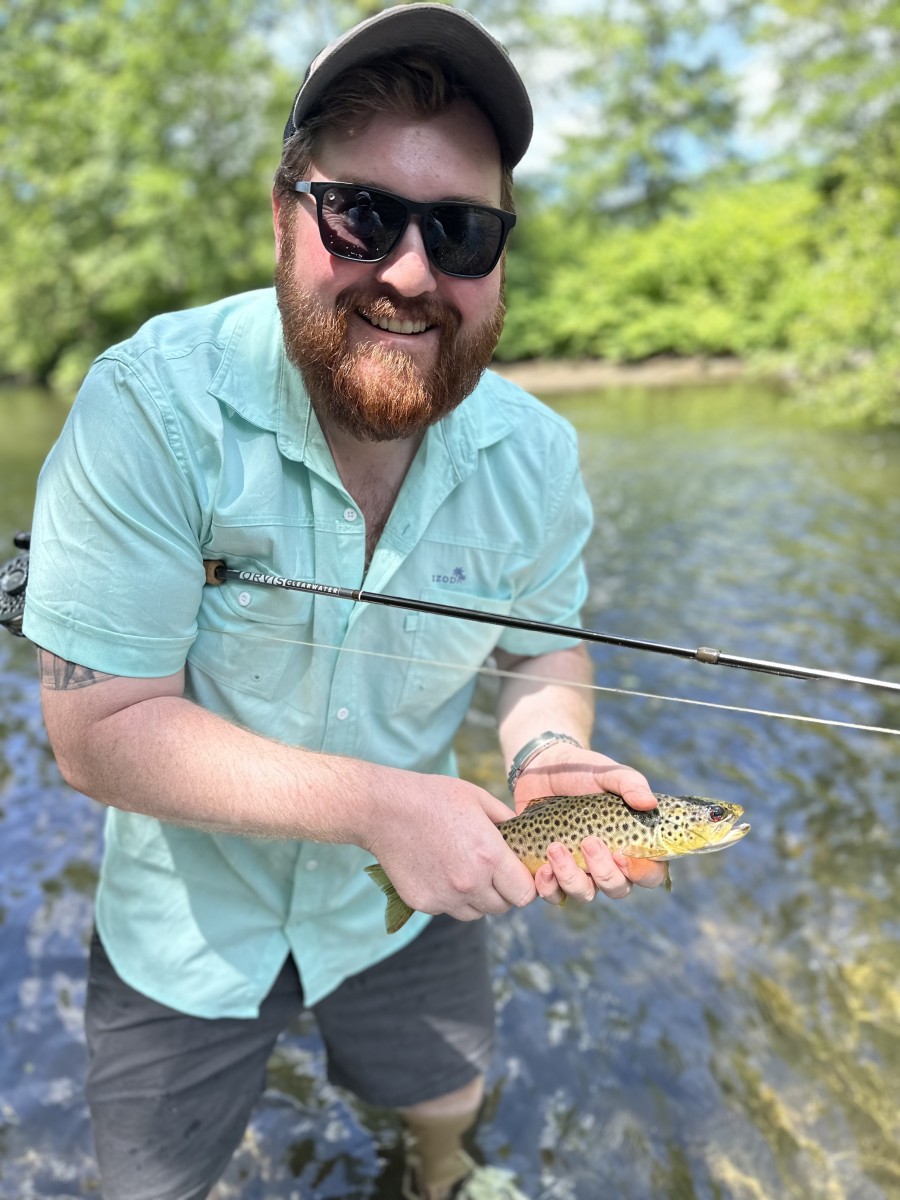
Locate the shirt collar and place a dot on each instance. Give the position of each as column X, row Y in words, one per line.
column 258, row 382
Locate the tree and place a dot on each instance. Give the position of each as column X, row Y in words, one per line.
column 839, row 72
column 137, row 148
column 839, row 69
column 658, row 106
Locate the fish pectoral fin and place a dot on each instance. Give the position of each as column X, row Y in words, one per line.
column 398, row 911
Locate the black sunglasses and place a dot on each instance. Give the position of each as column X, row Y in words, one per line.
column 364, row 225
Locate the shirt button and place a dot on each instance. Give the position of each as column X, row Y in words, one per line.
column 311, row 865
column 244, row 599
column 343, row 714
column 350, row 514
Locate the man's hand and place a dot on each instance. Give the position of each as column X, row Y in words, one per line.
column 441, row 849
column 563, row 770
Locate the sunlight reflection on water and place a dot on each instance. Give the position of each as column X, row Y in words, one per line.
column 739, row 1038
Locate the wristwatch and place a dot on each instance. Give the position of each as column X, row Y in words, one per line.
column 532, row 749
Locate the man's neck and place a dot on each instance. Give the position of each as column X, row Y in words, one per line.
column 373, row 473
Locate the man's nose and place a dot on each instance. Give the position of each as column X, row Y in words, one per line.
column 407, row 268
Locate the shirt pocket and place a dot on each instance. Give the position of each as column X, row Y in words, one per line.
column 446, row 652
column 254, row 639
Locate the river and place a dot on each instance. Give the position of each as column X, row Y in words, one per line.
column 736, row 1039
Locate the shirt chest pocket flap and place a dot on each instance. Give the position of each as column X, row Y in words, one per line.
column 253, row 638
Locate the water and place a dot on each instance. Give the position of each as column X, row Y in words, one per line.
column 738, row 1039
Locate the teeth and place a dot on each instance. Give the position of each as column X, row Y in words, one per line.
column 392, row 326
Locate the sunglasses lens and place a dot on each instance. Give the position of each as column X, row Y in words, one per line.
column 464, row 239
column 364, row 225
column 360, row 224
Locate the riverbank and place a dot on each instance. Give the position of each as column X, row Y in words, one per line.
column 548, row 376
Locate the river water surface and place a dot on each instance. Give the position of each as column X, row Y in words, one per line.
column 737, row 1039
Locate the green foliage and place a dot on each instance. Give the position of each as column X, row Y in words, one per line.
column 805, row 284
column 840, row 70
column 801, row 276
column 720, row 278
column 839, row 66
column 138, row 143
column 845, row 342
column 656, row 102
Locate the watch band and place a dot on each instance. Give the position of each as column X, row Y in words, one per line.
column 532, row 749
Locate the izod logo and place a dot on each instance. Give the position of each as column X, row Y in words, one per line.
column 458, row 576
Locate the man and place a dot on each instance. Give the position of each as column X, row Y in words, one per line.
column 256, row 748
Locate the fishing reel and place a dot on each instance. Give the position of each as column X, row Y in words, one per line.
column 13, row 581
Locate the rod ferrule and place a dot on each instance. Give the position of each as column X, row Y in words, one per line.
column 706, row 654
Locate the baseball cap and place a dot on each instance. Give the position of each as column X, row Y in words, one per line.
column 477, row 59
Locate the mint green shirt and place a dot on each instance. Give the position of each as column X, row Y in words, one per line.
column 195, row 440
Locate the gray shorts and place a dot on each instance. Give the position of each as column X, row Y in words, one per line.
column 170, row 1095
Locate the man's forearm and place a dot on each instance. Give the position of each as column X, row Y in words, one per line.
column 164, row 756
column 550, row 692
column 196, row 768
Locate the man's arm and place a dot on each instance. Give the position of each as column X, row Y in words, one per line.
column 139, row 745
column 552, row 692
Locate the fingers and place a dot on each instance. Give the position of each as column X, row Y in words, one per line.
column 506, row 894
column 495, row 809
column 513, row 882
column 643, row 871
column 606, row 874
column 631, row 785
column 546, row 885
column 569, row 876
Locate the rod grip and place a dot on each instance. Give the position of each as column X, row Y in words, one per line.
column 215, row 571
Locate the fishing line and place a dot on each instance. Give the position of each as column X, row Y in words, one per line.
column 500, row 673
column 218, row 573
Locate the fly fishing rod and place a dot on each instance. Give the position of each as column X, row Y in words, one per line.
column 217, row 573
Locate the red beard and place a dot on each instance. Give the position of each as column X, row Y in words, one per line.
column 370, row 392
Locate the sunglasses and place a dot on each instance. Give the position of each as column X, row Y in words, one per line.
column 364, row 225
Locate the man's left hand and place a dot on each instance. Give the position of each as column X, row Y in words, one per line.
column 562, row 770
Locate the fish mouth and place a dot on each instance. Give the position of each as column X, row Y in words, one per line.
column 734, row 834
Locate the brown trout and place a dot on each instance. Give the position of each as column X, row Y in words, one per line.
column 680, row 825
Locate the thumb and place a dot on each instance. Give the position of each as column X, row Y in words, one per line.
column 495, row 809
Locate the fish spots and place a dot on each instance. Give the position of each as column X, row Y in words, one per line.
column 681, row 824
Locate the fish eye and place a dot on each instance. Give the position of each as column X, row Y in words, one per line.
column 717, row 812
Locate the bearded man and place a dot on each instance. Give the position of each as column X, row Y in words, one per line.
column 257, row 748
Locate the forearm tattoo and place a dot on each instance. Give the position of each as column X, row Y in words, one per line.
column 60, row 675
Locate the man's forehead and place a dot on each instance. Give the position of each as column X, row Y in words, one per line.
column 457, row 148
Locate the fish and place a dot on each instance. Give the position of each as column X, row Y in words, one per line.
column 680, row 825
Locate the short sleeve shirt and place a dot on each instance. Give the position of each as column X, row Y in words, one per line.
column 195, row 440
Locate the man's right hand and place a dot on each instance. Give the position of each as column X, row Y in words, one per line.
column 443, row 853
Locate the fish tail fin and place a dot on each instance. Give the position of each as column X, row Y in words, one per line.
column 398, row 911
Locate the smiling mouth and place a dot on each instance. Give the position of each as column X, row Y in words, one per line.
column 394, row 325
